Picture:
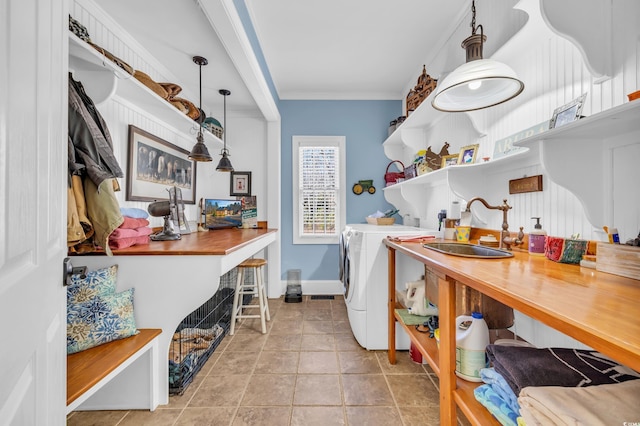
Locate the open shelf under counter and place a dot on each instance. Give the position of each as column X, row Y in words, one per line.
column 103, row 79
column 463, row 394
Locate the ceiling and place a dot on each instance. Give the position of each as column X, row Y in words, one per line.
column 354, row 49
column 329, row 49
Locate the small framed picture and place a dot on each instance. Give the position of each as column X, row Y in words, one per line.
column 468, row 154
column 449, row 160
column 240, row 184
column 567, row 113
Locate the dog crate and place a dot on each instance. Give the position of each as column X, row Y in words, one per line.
column 200, row 333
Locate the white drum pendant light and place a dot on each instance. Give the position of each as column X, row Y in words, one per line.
column 479, row 83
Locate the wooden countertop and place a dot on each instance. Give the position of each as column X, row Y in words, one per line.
column 596, row 308
column 218, row 243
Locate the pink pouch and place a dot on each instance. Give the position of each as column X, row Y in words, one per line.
column 553, row 247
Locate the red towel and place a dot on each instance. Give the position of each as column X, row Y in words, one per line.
column 119, row 233
column 128, row 242
column 133, row 223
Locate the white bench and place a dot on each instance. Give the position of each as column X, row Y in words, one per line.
column 90, row 370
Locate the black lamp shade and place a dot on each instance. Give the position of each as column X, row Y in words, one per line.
column 200, row 151
column 225, row 164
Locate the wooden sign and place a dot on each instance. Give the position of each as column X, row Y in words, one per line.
column 505, row 146
column 526, row 184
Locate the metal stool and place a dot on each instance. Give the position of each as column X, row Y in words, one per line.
column 256, row 288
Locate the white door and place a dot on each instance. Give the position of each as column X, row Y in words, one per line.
column 33, row 164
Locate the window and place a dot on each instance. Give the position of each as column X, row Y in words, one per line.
column 319, row 197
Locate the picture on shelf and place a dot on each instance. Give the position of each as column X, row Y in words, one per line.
column 449, row 160
column 567, row 113
column 468, row 154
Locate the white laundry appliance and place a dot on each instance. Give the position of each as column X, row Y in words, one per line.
column 364, row 275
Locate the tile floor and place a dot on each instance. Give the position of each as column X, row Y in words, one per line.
column 307, row 370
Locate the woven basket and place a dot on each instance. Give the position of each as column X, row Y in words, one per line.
column 381, row 220
column 392, row 177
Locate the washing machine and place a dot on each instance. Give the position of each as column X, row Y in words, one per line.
column 364, row 267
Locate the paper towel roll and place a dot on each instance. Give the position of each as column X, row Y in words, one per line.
column 455, row 210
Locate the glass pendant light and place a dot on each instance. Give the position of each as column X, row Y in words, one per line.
column 225, row 164
column 200, row 151
column 479, row 83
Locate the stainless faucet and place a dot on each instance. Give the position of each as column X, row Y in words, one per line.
column 505, row 235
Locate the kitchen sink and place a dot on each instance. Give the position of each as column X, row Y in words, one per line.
column 468, row 250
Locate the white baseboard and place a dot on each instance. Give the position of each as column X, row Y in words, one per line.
column 317, row 287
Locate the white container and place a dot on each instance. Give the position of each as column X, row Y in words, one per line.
column 471, row 344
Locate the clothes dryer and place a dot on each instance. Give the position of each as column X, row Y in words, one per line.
column 364, row 275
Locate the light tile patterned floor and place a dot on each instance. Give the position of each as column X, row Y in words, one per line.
column 307, row 370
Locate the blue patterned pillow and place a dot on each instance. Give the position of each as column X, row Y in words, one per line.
column 100, row 282
column 100, row 320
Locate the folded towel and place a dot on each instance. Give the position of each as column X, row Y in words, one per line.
column 498, row 408
column 500, row 386
column 613, row 404
column 410, row 319
column 133, row 212
column 523, row 366
column 128, row 242
column 120, row 233
column 133, row 223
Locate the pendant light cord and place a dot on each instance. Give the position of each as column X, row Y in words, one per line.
column 474, row 28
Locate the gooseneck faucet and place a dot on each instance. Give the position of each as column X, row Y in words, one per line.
column 505, row 236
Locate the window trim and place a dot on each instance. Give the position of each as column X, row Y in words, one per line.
column 341, row 216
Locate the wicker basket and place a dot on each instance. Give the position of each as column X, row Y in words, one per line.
column 381, row 220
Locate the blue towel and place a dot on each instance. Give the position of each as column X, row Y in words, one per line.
column 501, row 387
column 496, row 405
column 134, row 213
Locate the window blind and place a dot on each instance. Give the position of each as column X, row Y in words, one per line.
column 319, row 189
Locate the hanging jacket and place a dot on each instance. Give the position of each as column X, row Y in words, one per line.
column 93, row 148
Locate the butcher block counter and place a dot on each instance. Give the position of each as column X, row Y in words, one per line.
column 596, row 308
column 171, row 280
column 218, row 243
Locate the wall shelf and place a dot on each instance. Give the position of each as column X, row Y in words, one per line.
column 466, row 181
column 103, row 79
column 411, row 134
column 587, row 146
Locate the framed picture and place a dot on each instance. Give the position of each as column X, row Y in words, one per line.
column 449, row 160
column 567, row 113
column 154, row 165
column 468, row 154
column 240, row 184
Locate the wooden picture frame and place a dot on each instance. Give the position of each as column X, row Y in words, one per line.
column 468, row 154
column 240, row 184
column 155, row 165
column 449, row 160
column 567, row 113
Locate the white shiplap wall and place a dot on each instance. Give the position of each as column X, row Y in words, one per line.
column 554, row 73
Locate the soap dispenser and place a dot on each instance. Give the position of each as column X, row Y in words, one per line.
column 536, row 239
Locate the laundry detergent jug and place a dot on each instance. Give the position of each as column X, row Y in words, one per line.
column 471, row 344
